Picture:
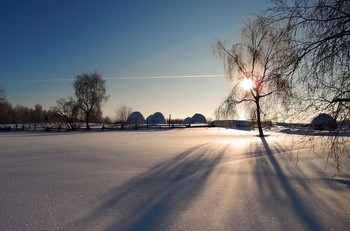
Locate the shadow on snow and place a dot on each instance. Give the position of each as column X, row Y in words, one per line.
column 154, row 198
column 282, row 190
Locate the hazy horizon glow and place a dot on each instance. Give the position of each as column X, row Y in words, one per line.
column 154, row 55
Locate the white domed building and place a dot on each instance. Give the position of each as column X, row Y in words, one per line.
column 156, row 118
column 136, row 118
column 324, row 122
column 195, row 119
column 188, row 120
column 199, row 118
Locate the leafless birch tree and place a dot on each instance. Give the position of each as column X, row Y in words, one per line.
column 258, row 66
column 322, row 42
column 90, row 91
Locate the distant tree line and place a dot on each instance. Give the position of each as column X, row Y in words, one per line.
column 85, row 106
column 20, row 114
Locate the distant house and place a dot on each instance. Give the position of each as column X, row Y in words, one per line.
column 324, row 122
column 236, row 124
column 136, row 118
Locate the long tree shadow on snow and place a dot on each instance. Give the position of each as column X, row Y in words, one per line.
column 152, row 200
column 278, row 189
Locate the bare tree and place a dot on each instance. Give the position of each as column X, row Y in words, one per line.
column 6, row 112
column 67, row 111
column 322, row 40
column 4, row 106
column 257, row 66
column 122, row 113
column 96, row 115
column 37, row 113
column 21, row 114
column 2, row 94
column 90, row 91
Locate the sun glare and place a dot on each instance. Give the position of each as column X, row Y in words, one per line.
column 247, row 84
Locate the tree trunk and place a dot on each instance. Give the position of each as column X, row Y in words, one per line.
column 258, row 119
column 87, row 121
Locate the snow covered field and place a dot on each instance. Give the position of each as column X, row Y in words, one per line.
column 179, row 179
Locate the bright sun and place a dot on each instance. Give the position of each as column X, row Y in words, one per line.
column 247, row 84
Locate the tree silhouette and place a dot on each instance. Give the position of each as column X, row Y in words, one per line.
column 66, row 110
column 258, row 66
column 122, row 113
column 2, row 94
column 322, row 71
column 90, row 91
column 321, row 38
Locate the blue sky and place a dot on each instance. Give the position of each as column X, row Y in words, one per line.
column 146, row 50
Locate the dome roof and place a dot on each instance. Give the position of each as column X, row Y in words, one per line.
column 156, row 118
column 324, row 122
column 136, row 118
column 198, row 118
column 188, row 120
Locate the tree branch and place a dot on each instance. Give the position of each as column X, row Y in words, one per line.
column 335, row 100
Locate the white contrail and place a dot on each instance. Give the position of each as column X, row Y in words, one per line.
column 165, row 77
column 129, row 78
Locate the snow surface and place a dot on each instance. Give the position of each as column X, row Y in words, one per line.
column 178, row 179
